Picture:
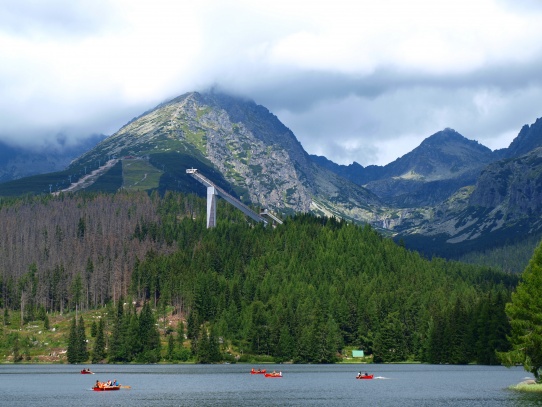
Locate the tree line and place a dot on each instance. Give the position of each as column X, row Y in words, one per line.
column 302, row 292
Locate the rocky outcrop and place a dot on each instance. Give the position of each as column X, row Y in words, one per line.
column 528, row 139
column 514, row 184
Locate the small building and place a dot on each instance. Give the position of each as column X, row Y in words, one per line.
column 358, row 354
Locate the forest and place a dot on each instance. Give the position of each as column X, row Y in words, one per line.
column 301, row 292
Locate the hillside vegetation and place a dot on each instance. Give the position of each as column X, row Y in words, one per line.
column 304, row 291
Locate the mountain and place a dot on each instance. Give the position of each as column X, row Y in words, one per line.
column 19, row 162
column 454, row 196
column 447, row 197
column 502, row 208
column 243, row 147
column 433, row 171
column 354, row 172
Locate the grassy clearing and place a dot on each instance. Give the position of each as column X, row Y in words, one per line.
column 527, row 387
column 40, row 345
column 197, row 139
column 139, row 175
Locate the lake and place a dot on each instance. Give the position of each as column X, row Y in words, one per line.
column 233, row 385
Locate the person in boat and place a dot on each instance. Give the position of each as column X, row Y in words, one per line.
column 280, row 374
column 115, row 383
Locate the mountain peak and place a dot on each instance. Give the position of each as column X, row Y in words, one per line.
column 529, row 138
column 444, row 139
column 239, row 141
column 444, row 154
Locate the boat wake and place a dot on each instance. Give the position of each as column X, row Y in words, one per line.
column 382, row 378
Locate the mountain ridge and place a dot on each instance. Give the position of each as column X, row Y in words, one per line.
column 440, row 193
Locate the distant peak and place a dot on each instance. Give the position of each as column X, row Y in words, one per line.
column 442, row 136
column 448, row 132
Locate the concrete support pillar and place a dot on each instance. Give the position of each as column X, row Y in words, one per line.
column 211, row 207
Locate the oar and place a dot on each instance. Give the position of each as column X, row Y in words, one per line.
column 125, row 387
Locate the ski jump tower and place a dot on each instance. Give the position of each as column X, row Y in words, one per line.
column 213, row 191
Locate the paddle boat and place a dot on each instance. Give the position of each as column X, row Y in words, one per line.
column 106, row 388
column 273, row 374
column 365, row 376
column 259, row 371
column 86, row 371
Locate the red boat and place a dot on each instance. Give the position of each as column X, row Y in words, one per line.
column 106, row 388
column 86, row 371
column 274, row 375
column 365, row 376
column 259, row 371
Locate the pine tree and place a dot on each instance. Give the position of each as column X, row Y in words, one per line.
column 98, row 352
column 76, row 290
column 170, row 355
column 390, row 340
column 117, row 339
column 150, row 337
column 500, row 327
column 133, row 341
column 215, row 355
column 72, row 351
column 81, row 341
column 202, row 349
column 93, row 329
column 525, row 313
column 192, row 328
column 285, row 347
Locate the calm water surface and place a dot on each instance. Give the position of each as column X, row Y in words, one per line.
column 233, row 385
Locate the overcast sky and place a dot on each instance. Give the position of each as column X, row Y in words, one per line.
column 357, row 80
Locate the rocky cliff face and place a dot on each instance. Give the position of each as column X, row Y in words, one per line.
column 503, row 206
column 529, row 138
column 514, row 185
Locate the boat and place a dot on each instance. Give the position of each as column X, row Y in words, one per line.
column 106, row 388
column 365, row 376
column 86, row 371
column 273, row 374
column 259, row 371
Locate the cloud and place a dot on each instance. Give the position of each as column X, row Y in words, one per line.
column 357, row 81
column 35, row 18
